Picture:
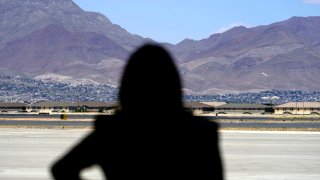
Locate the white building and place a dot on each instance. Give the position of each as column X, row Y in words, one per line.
column 299, row 108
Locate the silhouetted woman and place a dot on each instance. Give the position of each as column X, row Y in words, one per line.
column 151, row 136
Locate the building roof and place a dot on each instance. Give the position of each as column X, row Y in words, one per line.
column 52, row 104
column 241, row 106
column 192, row 104
column 97, row 104
column 12, row 104
column 214, row 103
column 299, row 105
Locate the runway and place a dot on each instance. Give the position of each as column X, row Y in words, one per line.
column 52, row 124
column 271, row 155
column 28, row 153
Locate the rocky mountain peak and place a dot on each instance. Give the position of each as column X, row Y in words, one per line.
column 26, row 16
column 47, row 5
column 43, row 37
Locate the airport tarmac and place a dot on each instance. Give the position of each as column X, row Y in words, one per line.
column 28, row 153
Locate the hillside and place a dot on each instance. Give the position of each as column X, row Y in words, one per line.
column 56, row 40
column 283, row 55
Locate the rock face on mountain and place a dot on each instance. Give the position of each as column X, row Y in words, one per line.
column 21, row 17
column 53, row 49
column 55, row 39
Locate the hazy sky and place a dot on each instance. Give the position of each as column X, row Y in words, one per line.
column 174, row 20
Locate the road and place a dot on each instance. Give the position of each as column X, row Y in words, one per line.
column 28, row 153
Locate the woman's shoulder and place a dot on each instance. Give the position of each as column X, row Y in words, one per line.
column 202, row 121
column 105, row 121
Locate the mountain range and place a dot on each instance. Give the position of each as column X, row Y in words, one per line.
column 55, row 40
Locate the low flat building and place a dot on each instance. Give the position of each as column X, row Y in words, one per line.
column 214, row 103
column 238, row 108
column 12, row 107
column 66, row 107
column 51, row 107
column 298, row 108
column 197, row 107
column 96, row 106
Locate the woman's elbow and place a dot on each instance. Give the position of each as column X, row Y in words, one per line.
column 60, row 171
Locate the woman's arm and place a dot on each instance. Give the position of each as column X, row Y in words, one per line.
column 81, row 156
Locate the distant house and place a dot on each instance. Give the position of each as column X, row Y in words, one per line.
column 51, row 107
column 96, row 106
column 12, row 107
column 298, row 108
column 237, row 108
column 197, row 107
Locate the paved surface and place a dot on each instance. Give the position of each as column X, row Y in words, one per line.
column 28, row 153
column 87, row 123
column 271, row 155
column 47, row 123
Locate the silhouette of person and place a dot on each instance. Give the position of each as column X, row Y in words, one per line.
column 151, row 136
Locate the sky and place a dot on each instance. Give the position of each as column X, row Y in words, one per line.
column 174, row 20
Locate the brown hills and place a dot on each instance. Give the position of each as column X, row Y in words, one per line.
column 56, row 39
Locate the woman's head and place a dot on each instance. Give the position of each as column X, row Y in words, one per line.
column 150, row 80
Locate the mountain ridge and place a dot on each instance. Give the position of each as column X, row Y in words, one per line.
column 43, row 38
column 30, row 15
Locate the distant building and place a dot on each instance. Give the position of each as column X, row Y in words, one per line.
column 299, row 108
column 12, row 107
column 197, row 107
column 237, row 108
column 51, row 107
column 66, row 107
column 96, row 106
column 214, row 103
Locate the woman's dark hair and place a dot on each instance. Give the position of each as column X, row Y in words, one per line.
column 150, row 80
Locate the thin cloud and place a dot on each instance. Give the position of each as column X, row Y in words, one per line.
column 312, row 1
